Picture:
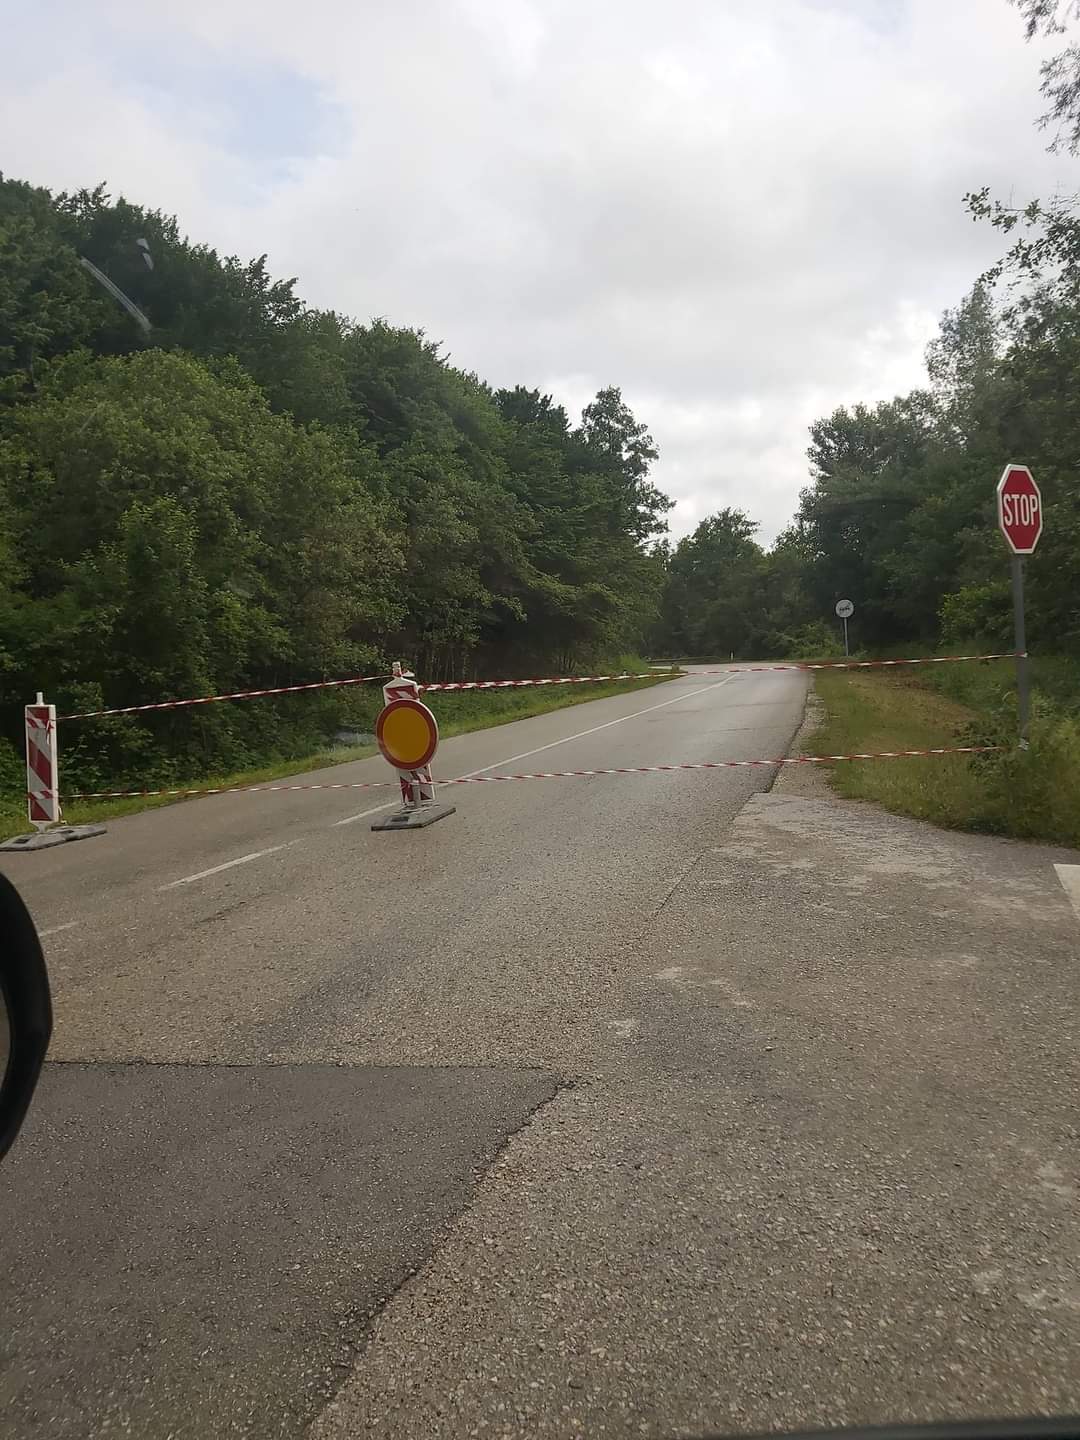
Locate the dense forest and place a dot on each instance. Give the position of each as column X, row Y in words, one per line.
column 206, row 485
column 252, row 493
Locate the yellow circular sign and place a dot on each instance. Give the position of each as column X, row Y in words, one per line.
column 407, row 734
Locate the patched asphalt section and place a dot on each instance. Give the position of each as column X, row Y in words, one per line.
column 197, row 1251
column 822, row 1168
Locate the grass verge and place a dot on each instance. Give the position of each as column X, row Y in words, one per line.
column 896, row 712
column 1033, row 794
column 458, row 713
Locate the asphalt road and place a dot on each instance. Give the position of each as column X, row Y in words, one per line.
column 266, row 1011
column 641, row 1105
column 193, row 1250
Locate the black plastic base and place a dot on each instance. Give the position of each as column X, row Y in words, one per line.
column 46, row 839
column 414, row 819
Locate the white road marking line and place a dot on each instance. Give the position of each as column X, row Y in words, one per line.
column 1069, row 875
column 393, row 804
column 509, row 760
column 229, row 864
column 56, row 929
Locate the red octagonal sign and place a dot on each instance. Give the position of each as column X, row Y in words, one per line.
column 1020, row 511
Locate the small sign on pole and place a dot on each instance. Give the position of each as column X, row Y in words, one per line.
column 845, row 609
column 1020, row 520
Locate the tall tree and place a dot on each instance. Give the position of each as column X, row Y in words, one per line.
column 258, row 491
column 1060, row 83
column 621, row 450
column 715, row 575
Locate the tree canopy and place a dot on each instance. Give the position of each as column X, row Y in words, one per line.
column 257, row 492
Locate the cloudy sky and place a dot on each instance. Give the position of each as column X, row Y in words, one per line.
column 744, row 212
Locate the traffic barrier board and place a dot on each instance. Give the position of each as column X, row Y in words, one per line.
column 407, row 734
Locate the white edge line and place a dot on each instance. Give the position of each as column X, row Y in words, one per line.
column 228, row 865
column 365, row 813
column 524, row 755
column 56, row 929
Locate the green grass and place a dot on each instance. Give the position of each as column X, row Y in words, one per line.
column 458, row 713
column 88, row 812
column 987, row 684
column 871, row 712
column 1033, row 794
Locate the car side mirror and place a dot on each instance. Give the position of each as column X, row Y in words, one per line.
column 25, row 1012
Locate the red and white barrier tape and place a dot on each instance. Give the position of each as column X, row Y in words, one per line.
column 449, row 685
column 235, row 695
column 724, row 764
column 545, row 774
column 859, row 664
column 354, row 680
column 552, row 680
column 724, row 670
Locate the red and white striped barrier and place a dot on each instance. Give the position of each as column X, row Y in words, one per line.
column 549, row 774
column 43, row 786
column 42, row 773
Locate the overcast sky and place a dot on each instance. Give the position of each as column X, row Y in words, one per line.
column 744, row 212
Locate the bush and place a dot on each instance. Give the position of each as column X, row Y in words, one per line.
column 979, row 616
column 1031, row 793
column 12, row 771
column 628, row 664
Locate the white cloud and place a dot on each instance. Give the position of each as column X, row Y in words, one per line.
column 743, row 214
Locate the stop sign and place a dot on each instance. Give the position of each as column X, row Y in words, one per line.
column 1020, row 514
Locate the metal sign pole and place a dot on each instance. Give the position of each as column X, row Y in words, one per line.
column 1022, row 678
column 1020, row 520
column 846, row 650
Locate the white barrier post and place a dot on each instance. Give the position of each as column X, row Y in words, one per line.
column 43, row 785
column 42, row 772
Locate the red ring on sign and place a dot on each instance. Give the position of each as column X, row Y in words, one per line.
column 429, row 720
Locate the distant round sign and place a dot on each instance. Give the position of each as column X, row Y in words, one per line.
column 845, row 609
column 407, row 733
